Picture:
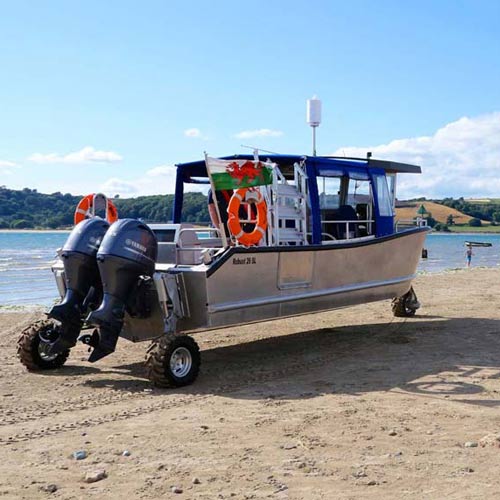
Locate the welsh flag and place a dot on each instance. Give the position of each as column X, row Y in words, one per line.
column 234, row 174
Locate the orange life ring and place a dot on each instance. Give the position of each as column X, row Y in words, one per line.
column 84, row 209
column 234, row 223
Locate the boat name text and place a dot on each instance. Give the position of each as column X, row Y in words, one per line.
column 244, row 260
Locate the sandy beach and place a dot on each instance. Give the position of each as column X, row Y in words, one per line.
column 346, row 404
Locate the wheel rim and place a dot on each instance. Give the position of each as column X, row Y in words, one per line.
column 44, row 352
column 181, row 362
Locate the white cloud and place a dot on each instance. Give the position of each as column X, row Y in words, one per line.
column 193, row 132
column 262, row 132
column 7, row 166
column 87, row 154
column 460, row 159
column 157, row 180
column 118, row 186
column 5, row 163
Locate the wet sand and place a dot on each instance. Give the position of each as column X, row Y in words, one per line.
column 346, row 404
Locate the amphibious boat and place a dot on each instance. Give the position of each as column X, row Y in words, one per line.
column 299, row 234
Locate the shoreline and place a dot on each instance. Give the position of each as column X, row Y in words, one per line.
column 35, row 230
column 458, row 233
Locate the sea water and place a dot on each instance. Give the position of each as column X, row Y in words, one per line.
column 26, row 258
column 447, row 251
column 25, row 262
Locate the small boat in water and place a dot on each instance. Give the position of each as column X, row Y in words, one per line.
column 477, row 244
column 297, row 234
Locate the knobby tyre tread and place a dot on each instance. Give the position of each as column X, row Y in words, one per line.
column 27, row 349
column 158, row 359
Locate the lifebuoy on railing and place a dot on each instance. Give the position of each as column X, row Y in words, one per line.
column 234, row 223
column 86, row 209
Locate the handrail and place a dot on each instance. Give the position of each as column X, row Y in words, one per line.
column 200, row 229
column 417, row 221
column 347, row 222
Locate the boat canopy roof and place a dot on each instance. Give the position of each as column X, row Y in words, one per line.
column 195, row 172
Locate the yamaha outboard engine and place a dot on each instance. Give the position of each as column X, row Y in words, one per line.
column 127, row 253
column 81, row 277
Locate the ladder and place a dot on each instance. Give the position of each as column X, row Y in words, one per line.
column 288, row 208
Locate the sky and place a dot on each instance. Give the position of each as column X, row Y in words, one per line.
column 109, row 96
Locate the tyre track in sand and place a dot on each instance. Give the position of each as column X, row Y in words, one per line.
column 19, row 415
column 251, row 367
column 297, row 364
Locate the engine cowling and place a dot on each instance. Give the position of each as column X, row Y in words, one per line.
column 81, row 276
column 127, row 252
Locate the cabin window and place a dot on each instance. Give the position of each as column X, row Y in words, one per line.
column 360, row 198
column 329, row 189
column 329, row 193
column 383, row 196
column 391, row 180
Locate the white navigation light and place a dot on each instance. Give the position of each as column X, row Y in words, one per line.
column 314, row 112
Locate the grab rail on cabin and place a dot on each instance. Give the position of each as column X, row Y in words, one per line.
column 402, row 224
column 348, row 233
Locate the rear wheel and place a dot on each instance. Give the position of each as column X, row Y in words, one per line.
column 33, row 347
column 173, row 361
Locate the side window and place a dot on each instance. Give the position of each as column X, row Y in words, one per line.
column 359, row 193
column 329, row 192
column 391, row 180
column 383, row 196
column 329, row 189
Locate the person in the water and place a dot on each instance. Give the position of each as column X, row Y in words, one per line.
column 468, row 254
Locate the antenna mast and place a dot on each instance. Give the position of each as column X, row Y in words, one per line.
column 314, row 117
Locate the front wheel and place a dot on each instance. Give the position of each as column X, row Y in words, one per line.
column 173, row 361
column 33, row 347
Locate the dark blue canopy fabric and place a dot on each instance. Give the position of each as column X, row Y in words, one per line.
column 191, row 172
column 354, row 168
column 194, row 172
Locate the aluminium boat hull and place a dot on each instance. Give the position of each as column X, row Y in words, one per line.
column 256, row 284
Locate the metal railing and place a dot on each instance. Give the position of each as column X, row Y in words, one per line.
column 347, row 223
column 402, row 224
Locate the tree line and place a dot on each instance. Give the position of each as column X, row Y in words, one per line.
column 29, row 209
column 489, row 211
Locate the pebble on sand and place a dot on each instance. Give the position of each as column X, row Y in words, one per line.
column 97, row 475
column 126, row 453
column 79, row 455
column 392, row 432
column 490, row 440
column 195, row 480
column 49, row 488
column 471, row 444
column 176, row 489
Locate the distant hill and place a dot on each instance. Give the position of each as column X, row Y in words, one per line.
column 27, row 208
column 408, row 210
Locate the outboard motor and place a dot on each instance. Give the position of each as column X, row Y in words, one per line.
column 127, row 252
column 81, row 276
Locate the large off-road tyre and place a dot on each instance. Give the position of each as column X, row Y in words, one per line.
column 405, row 306
column 173, row 361
column 32, row 350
